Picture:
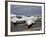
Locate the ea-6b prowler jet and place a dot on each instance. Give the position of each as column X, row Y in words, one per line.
column 29, row 19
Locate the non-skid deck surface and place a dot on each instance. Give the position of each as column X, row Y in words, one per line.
column 23, row 26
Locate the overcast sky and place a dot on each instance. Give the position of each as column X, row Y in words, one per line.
column 25, row 10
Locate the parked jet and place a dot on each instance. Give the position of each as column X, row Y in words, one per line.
column 28, row 19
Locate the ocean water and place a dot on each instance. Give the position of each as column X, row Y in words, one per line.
column 26, row 10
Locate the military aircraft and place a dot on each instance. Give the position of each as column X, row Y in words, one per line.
column 21, row 18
